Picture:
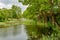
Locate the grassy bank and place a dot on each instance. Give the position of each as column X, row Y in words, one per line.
column 9, row 23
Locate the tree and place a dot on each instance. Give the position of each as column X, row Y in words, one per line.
column 41, row 7
column 6, row 14
column 16, row 11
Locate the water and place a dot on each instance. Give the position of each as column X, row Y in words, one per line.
column 13, row 33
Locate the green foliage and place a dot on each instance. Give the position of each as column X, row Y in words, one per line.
column 6, row 14
column 35, row 7
column 44, row 8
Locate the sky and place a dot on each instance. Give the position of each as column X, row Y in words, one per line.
column 8, row 4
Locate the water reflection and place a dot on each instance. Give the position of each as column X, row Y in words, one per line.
column 13, row 33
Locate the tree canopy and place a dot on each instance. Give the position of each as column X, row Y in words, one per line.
column 38, row 9
column 14, row 12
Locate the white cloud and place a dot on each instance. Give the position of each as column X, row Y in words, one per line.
column 8, row 4
column 2, row 5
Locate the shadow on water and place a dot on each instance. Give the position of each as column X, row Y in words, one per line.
column 28, row 32
column 13, row 33
column 36, row 32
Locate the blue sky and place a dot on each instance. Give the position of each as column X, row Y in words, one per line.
column 8, row 4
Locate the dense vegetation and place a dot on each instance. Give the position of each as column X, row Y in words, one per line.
column 42, row 18
column 7, row 14
column 41, row 10
column 46, row 12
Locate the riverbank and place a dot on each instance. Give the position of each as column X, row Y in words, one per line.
column 24, row 22
column 20, row 21
column 10, row 23
column 32, row 22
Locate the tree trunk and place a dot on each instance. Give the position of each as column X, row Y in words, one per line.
column 51, row 12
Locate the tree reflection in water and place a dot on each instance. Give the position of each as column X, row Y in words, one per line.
column 17, row 32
